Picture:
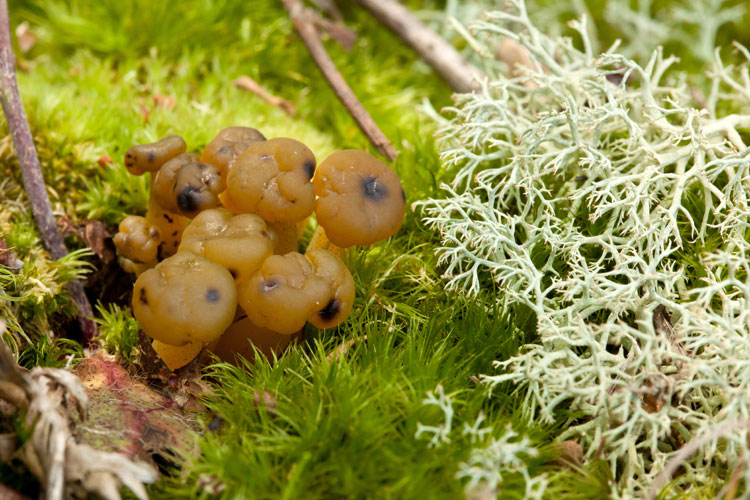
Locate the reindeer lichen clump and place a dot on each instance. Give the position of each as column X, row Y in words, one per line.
column 596, row 193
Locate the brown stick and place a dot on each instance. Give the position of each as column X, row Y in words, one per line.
column 309, row 34
column 438, row 53
column 31, row 172
column 244, row 82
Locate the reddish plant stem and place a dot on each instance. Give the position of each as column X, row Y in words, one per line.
column 306, row 28
column 31, row 172
column 437, row 52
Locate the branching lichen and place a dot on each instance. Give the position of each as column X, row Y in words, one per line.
column 594, row 193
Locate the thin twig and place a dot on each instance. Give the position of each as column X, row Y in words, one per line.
column 686, row 451
column 31, row 172
column 244, row 82
column 437, row 52
column 309, row 34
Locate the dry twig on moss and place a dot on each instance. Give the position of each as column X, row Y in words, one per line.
column 244, row 82
column 438, row 53
column 31, row 172
column 305, row 26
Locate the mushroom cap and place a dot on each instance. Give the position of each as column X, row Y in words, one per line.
column 329, row 266
column 272, row 179
column 228, row 145
column 186, row 186
column 185, row 298
column 150, row 157
column 162, row 187
column 197, row 186
column 284, row 293
column 240, row 243
column 137, row 240
column 360, row 200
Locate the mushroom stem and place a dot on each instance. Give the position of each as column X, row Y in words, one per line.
column 31, row 172
column 320, row 240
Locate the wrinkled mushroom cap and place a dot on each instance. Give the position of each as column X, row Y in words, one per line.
column 162, row 187
column 284, row 293
column 240, row 243
column 360, row 200
column 330, row 267
column 150, row 157
column 186, row 186
column 137, row 240
column 185, row 298
column 228, row 145
column 272, row 179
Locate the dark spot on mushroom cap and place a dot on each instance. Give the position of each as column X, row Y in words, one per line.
column 225, row 149
column 154, row 234
column 142, row 297
column 151, row 157
column 309, row 169
column 330, row 310
column 373, row 189
column 174, row 233
column 169, row 219
column 212, row 295
column 188, row 199
column 270, row 285
column 264, row 234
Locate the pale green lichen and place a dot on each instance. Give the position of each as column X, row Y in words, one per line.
column 593, row 192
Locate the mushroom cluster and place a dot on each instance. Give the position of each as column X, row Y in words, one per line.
column 216, row 255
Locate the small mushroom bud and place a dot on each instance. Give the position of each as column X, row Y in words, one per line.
column 138, row 240
column 228, row 145
column 284, row 293
column 150, row 157
column 360, row 200
column 240, row 243
column 272, row 179
column 329, row 266
column 185, row 298
column 197, row 187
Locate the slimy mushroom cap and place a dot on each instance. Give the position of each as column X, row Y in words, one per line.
column 272, row 179
column 284, row 293
column 360, row 199
column 137, row 240
column 240, row 243
column 185, row 298
column 329, row 266
column 228, row 145
column 150, row 157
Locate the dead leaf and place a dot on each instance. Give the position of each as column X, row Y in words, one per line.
column 26, row 37
column 164, row 101
column 63, row 465
column 571, row 454
column 9, row 259
column 95, row 235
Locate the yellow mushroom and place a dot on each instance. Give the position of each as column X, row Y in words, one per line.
column 240, row 243
column 185, row 298
column 228, row 144
column 360, row 200
column 150, row 157
column 272, row 179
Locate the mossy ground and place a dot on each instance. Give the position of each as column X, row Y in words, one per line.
column 343, row 428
